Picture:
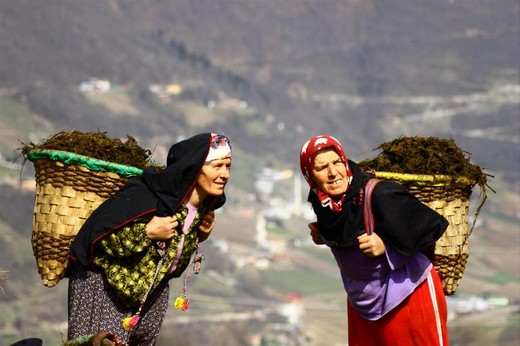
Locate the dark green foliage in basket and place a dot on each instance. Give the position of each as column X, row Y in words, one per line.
column 97, row 145
column 426, row 155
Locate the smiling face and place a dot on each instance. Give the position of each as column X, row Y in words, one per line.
column 213, row 178
column 330, row 173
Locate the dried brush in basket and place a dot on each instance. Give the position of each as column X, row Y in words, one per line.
column 69, row 186
column 437, row 172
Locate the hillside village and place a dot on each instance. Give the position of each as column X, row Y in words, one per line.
column 269, row 74
column 272, row 210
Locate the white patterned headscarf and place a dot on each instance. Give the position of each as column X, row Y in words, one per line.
column 220, row 148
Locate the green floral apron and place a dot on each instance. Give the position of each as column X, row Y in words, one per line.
column 129, row 258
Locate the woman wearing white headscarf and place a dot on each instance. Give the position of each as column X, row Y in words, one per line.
column 145, row 235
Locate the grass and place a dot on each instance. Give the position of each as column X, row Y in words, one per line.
column 307, row 283
column 511, row 332
column 244, row 167
column 319, row 253
column 510, row 220
column 19, row 120
column 483, row 334
column 278, row 231
column 257, row 127
column 503, row 278
column 15, row 114
column 17, row 126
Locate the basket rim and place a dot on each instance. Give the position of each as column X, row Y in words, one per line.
column 436, row 180
column 88, row 162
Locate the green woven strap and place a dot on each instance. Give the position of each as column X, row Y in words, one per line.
column 81, row 160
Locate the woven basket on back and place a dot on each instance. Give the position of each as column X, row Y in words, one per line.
column 449, row 197
column 68, row 188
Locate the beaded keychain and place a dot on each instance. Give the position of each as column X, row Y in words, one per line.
column 131, row 322
column 181, row 302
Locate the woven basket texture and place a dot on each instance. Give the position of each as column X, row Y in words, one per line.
column 66, row 195
column 450, row 198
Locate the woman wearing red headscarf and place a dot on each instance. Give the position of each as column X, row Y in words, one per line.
column 395, row 297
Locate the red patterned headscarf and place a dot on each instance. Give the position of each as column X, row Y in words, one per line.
column 309, row 151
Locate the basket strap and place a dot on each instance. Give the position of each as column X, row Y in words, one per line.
column 88, row 162
column 368, row 216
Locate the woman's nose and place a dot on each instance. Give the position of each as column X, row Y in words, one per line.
column 224, row 173
column 332, row 169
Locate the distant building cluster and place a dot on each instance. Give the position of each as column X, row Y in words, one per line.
column 164, row 93
column 95, row 84
column 474, row 304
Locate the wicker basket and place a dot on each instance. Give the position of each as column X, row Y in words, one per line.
column 449, row 197
column 68, row 188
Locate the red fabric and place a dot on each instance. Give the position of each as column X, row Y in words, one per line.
column 309, row 151
column 411, row 323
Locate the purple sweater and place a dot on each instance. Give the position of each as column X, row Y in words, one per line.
column 376, row 285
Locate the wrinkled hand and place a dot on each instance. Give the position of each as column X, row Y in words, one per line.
column 206, row 225
column 162, row 227
column 315, row 234
column 371, row 245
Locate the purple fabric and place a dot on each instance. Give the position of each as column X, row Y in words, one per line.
column 375, row 285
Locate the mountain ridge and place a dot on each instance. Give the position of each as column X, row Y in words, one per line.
column 278, row 57
column 269, row 74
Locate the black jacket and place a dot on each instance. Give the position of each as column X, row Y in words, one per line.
column 401, row 220
column 154, row 193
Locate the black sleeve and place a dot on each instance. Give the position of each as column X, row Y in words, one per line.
column 134, row 200
column 402, row 221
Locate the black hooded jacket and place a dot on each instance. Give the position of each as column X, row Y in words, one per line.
column 401, row 220
column 154, row 193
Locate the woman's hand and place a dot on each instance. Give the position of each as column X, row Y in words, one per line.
column 162, row 227
column 371, row 245
column 315, row 234
column 206, row 225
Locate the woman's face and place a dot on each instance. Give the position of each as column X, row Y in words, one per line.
column 213, row 178
column 330, row 173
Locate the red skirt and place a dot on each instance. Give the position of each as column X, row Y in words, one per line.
column 419, row 320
